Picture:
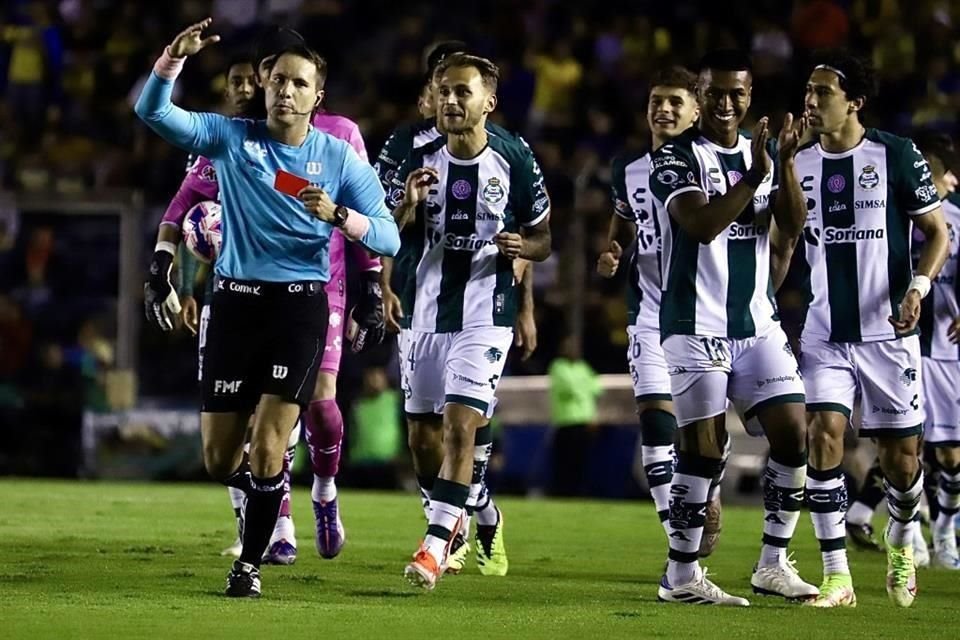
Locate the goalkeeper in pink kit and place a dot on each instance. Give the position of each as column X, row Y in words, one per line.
column 322, row 419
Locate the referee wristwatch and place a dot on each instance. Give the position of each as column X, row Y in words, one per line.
column 340, row 216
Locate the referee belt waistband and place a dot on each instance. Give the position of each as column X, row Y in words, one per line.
column 258, row 288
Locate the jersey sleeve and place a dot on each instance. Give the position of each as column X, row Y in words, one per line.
column 618, row 189
column 397, row 183
column 198, row 185
column 356, row 141
column 395, row 151
column 202, row 133
column 531, row 199
column 363, row 193
column 673, row 170
column 914, row 184
column 775, row 160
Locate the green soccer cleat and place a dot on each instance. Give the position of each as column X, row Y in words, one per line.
column 457, row 558
column 836, row 591
column 901, row 573
column 491, row 555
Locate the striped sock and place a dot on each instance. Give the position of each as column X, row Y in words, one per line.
column 486, row 511
column 782, row 499
column 689, row 489
column 425, row 484
column 827, row 498
column 447, row 502
column 657, row 428
column 482, row 448
column 721, row 471
column 948, row 498
column 903, row 507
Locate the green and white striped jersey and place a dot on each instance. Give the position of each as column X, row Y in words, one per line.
column 857, row 234
column 942, row 304
column 451, row 275
column 722, row 288
column 633, row 201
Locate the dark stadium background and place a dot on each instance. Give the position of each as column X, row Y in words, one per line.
column 74, row 161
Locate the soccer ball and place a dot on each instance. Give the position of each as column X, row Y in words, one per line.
column 202, row 231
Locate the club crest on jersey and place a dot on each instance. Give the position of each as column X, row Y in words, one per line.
column 868, row 177
column 668, row 177
column 208, row 173
column 461, row 189
column 493, row 191
column 836, row 183
column 493, row 355
column 314, row 168
column 908, row 377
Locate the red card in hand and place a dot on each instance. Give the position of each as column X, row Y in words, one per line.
column 289, row 183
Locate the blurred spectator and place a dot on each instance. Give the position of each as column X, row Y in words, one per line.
column 574, row 389
column 557, row 75
column 376, row 442
column 819, row 24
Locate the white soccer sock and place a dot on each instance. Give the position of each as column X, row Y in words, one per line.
column 948, row 499
column 903, row 507
column 827, row 497
column 284, row 529
column 782, row 499
column 324, row 489
column 658, row 464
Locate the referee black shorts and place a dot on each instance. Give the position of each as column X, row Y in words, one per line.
column 262, row 338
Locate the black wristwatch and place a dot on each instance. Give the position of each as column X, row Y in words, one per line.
column 340, row 215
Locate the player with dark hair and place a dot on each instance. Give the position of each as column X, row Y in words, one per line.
column 671, row 109
column 865, row 189
column 729, row 214
column 269, row 314
column 425, row 430
column 462, row 202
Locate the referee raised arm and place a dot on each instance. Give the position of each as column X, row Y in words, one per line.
column 284, row 187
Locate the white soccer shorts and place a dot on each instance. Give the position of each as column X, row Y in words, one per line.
column 648, row 366
column 753, row 373
column 941, row 392
column 462, row 367
column 886, row 374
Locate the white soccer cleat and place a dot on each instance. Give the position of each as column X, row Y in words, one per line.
column 921, row 553
column 945, row 554
column 782, row 579
column 233, row 551
column 700, row 590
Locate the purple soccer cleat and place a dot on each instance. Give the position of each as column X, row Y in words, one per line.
column 330, row 533
column 280, row 552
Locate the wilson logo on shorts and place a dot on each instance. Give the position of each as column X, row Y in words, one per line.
column 493, row 354
column 908, row 377
column 279, row 372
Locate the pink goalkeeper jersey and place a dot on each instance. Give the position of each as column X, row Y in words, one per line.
column 200, row 184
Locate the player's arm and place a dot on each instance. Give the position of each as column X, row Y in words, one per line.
column 526, row 326
column 368, row 220
column 917, row 195
column 789, row 206
column 409, row 188
column 782, row 247
column 622, row 225
column 201, row 133
column 532, row 207
column 673, row 179
column 392, row 309
column 187, row 278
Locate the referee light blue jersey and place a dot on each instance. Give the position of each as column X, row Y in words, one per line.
column 268, row 235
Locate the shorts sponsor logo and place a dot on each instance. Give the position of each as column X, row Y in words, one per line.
column 493, row 381
column 280, row 372
column 890, row 411
column 493, row 191
column 462, row 378
column 766, row 381
column 226, row 387
column 493, row 355
column 868, row 177
column 461, row 189
column 908, row 377
column 238, row 287
column 836, row 183
column 834, row 235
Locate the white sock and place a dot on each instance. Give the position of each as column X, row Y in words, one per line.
column 284, row 529
column 324, row 489
column 859, row 513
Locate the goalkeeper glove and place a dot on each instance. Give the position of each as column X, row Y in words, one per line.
column 366, row 328
column 159, row 298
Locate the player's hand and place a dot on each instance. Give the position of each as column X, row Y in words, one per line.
column 188, row 313
column 909, row 313
column 525, row 336
column 392, row 311
column 609, row 260
column 159, row 299
column 366, row 327
column 953, row 331
column 762, row 162
column 190, row 40
column 317, row 203
column 418, row 184
column 792, row 135
column 509, row 244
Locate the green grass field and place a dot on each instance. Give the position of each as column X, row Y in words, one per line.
column 106, row 560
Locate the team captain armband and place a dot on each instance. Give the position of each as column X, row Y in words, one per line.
column 168, row 67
